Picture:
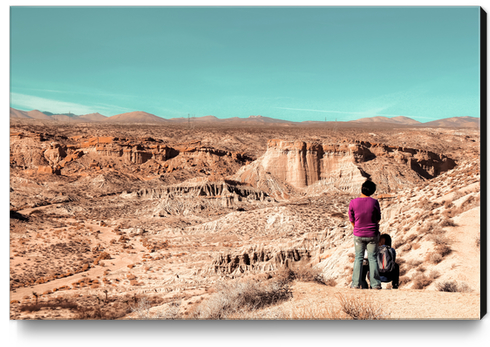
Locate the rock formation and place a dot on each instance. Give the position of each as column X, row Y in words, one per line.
column 302, row 164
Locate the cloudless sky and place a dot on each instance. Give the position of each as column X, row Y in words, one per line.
column 293, row 63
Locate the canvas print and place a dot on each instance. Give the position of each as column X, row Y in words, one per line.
column 245, row 163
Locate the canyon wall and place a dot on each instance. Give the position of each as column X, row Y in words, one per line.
column 342, row 165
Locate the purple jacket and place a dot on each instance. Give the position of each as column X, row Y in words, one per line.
column 365, row 214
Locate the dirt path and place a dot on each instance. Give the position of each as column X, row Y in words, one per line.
column 464, row 237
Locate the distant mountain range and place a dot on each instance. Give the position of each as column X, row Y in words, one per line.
column 138, row 117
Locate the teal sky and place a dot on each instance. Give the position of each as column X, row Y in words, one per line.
column 293, row 63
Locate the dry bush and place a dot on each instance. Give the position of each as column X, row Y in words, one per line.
column 351, row 308
column 400, row 261
column 449, row 212
column 453, row 286
column 440, row 240
column 414, row 263
column 433, row 258
column 420, row 280
column 403, row 270
column 438, row 231
column 442, row 244
column 360, row 308
column 407, row 247
column 447, row 286
column 444, row 250
column 142, row 311
column 448, row 223
column 477, row 241
column 398, row 243
column 457, row 195
column 403, row 280
column 448, row 204
column 234, row 297
column 308, row 274
column 330, row 282
column 411, row 237
column 305, row 274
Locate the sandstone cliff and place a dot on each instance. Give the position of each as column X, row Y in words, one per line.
column 342, row 165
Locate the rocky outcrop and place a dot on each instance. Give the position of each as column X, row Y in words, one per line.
column 258, row 259
column 425, row 163
column 210, row 189
column 302, row 164
column 150, row 157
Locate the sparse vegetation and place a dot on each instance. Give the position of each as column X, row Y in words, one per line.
column 233, row 297
column 361, row 308
column 421, row 280
column 453, row 287
column 448, row 223
column 433, row 258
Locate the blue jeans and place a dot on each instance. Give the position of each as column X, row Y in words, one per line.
column 371, row 244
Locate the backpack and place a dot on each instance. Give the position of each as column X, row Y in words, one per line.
column 386, row 259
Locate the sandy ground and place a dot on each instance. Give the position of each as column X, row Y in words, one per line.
column 313, row 299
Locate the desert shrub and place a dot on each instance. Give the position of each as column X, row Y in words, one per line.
column 330, row 282
column 414, row 263
column 420, row 280
column 403, row 280
column 438, row 231
column 398, row 243
column 448, row 223
column 477, row 241
column 439, row 240
column 411, row 237
column 433, row 258
column 444, row 250
column 448, row 204
column 470, row 200
column 236, row 296
column 407, row 247
column 308, row 274
column 457, row 195
column 403, row 270
column 141, row 309
column 453, row 286
column 400, row 261
column 361, row 308
column 447, row 286
column 449, row 212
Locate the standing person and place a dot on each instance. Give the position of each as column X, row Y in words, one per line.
column 364, row 215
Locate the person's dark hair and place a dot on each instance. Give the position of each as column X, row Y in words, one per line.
column 387, row 239
column 368, row 188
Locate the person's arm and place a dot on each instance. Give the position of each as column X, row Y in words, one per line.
column 351, row 215
column 378, row 212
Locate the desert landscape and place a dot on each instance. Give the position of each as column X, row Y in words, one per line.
column 137, row 217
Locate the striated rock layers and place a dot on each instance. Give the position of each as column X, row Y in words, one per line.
column 300, row 164
column 257, row 259
column 209, row 189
